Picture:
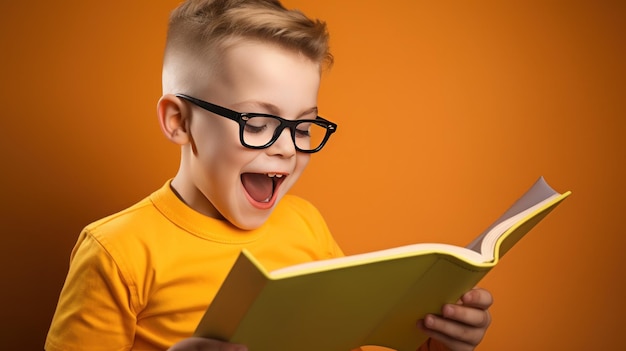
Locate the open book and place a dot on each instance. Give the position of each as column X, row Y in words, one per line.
column 366, row 299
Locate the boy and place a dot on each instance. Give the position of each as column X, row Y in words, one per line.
column 141, row 279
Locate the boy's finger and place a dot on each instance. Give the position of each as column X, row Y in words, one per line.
column 469, row 316
column 454, row 334
column 477, row 298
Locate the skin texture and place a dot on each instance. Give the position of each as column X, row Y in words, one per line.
column 253, row 77
column 264, row 78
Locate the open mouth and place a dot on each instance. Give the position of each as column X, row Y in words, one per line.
column 262, row 187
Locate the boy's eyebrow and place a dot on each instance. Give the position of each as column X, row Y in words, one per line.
column 273, row 109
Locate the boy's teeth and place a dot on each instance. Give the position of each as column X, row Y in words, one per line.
column 271, row 175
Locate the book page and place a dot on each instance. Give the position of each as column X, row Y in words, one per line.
column 539, row 192
column 375, row 256
column 487, row 246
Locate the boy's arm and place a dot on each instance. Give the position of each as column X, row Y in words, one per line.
column 462, row 326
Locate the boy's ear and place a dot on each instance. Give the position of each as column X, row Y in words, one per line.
column 174, row 119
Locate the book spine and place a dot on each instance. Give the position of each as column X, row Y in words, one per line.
column 234, row 299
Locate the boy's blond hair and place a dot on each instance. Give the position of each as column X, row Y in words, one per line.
column 200, row 29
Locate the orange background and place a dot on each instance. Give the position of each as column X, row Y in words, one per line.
column 447, row 111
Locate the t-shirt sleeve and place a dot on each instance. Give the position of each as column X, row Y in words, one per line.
column 94, row 311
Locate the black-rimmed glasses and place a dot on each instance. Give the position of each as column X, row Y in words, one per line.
column 260, row 130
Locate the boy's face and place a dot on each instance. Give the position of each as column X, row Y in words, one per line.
column 224, row 179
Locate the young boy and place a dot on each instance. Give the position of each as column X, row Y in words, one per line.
column 141, row 279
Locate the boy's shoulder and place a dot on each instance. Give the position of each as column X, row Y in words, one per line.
column 136, row 215
column 299, row 212
column 142, row 217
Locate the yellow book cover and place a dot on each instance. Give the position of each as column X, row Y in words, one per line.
column 373, row 298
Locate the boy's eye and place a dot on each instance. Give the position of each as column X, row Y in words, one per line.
column 303, row 130
column 255, row 129
column 256, row 125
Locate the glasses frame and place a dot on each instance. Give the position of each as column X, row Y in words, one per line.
column 242, row 117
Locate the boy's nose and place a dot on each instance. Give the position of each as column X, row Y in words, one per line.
column 284, row 145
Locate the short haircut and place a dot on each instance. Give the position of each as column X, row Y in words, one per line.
column 201, row 29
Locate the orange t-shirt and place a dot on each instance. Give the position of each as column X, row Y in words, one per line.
column 141, row 279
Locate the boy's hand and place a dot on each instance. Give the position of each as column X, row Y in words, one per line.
column 203, row 344
column 463, row 325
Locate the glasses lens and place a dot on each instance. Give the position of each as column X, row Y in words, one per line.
column 259, row 131
column 310, row 135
